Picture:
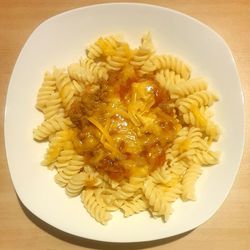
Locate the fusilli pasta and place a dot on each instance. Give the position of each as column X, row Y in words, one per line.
column 127, row 129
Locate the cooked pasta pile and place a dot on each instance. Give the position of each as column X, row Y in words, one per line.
column 128, row 129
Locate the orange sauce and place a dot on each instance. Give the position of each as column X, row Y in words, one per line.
column 124, row 128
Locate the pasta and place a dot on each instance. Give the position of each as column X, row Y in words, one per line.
column 95, row 205
column 186, row 88
column 103, row 46
column 143, row 53
column 87, row 71
column 158, row 62
column 47, row 89
column 49, row 127
column 127, row 129
column 133, row 207
column 167, row 78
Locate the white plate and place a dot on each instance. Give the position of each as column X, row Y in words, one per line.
column 61, row 40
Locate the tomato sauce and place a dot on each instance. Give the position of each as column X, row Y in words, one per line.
column 125, row 126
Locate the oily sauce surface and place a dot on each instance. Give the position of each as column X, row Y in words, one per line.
column 124, row 125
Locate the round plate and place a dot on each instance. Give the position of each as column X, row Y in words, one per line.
column 62, row 40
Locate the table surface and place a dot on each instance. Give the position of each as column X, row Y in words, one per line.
column 228, row 229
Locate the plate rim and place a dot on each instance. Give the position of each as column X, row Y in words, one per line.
column 93, row 6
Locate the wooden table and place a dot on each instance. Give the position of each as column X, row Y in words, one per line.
column 228, row 229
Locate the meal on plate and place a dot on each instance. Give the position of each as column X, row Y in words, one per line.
column 127, row 129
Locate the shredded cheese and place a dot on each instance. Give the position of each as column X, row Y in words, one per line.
column 106, row 135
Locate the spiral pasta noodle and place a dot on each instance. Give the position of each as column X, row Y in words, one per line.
column 158, row 62
column 103, row 46
column 47, row 89
column 143, row 53
column 51, row 126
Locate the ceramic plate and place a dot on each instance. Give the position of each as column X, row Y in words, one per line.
column 61, row 40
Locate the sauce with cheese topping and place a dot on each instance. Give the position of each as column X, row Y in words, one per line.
column 124, row 126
